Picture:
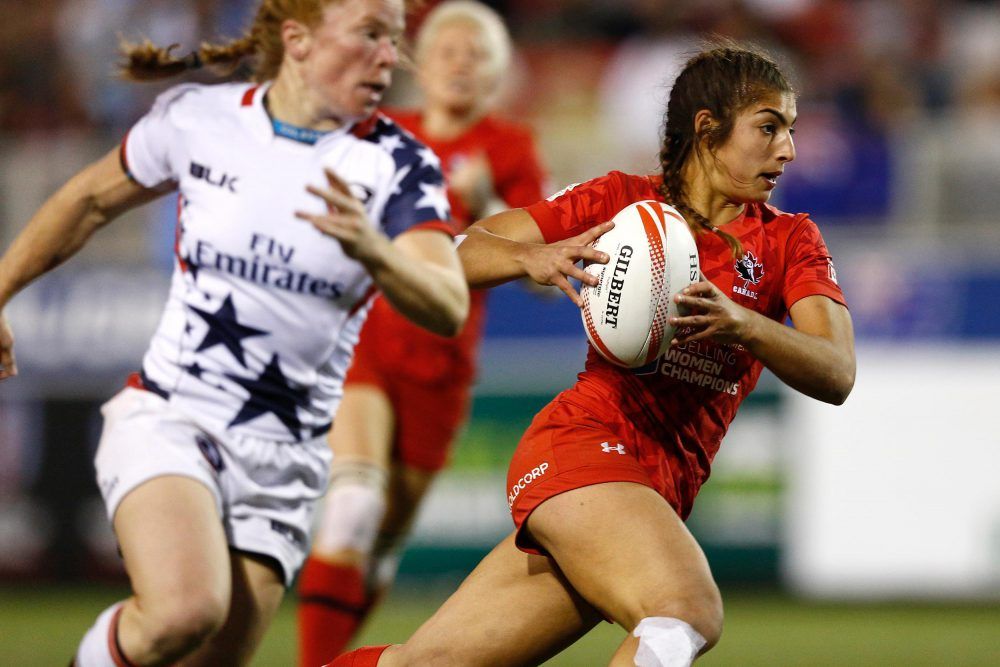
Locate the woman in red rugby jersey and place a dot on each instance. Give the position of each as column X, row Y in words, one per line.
column 291, row 208
column 407, row 391
column 619, row 457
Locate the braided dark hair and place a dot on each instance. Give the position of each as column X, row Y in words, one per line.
column 724, row 80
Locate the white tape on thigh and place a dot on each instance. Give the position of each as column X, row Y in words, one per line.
column 352, row 512
column 666, row 642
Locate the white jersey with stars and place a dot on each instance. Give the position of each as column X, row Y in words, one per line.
column 264, row 310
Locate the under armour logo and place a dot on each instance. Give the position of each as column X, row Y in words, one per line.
column 607, row 448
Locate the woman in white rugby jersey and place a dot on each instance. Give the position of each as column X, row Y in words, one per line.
column 408, row 391
column 213, row 458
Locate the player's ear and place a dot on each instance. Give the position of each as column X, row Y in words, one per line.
column 296, row 38
column 704, row 121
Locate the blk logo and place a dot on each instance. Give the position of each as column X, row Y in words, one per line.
column 203, row 173
column 607, row 448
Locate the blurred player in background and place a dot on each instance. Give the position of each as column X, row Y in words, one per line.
column 212, row 461
column 408, row 391
column 604, row 476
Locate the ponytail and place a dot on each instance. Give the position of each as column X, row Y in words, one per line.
column 148, row 62
column 676, row 149
column 262, row 41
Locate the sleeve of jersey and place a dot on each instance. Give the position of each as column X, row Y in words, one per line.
column 146, row 149
column 523, row 176
column 418, row 202
column 810, row 269
column 578, row 207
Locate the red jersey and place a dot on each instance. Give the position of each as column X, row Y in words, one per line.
column 517, row 179
column 688, row 397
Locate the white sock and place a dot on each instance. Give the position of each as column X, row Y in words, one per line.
column 99, row 647
column 666, row 642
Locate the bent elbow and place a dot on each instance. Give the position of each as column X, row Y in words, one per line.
column 452, row 330
column 840, row 388
column 448, row 328
column 457, row 318
column 452, row 318
column 837, row 397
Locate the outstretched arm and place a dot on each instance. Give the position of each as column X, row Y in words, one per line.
column 64, row 223
column 816, row 357
column 509, row 245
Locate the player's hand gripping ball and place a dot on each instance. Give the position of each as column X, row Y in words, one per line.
column 653, row 256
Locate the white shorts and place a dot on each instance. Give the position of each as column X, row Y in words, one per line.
column 266, row 492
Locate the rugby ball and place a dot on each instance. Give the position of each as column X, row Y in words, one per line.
column 653, row 256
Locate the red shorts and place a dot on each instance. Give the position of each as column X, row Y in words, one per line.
column 575, row 442
column 428, row 414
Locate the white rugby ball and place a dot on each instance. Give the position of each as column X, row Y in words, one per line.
column 653, row 256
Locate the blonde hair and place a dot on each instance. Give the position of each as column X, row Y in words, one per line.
column 262, row 42
column 487, row 20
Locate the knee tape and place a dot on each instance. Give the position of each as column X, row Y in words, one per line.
column 666, row 642
column 353, row 510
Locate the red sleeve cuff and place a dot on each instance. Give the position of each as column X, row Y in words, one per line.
column 542, row 213
column 812, row 289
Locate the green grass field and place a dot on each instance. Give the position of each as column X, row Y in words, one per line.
column 41, row 627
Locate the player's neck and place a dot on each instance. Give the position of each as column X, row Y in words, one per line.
column 705, row 199
column 444, row 124
column 289, row 101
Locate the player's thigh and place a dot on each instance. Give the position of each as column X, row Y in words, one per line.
column 628, row 553
column 428, row 420
column 257, row 592
column 174, row 547
column 513, row 609
column 364, row 425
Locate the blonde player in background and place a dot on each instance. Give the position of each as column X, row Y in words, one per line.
column 407, row 392
column 212, row 460
column 604, row 476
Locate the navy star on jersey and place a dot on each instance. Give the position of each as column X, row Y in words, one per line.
column 418, row 192
column 223, row 329
column 194, row 370
column 271, row 392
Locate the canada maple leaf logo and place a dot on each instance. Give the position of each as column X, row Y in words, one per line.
column 749, row 269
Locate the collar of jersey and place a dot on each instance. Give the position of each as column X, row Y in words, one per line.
column 305, row 135
column 268, row 127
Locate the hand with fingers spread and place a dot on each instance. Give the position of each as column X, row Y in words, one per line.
column 346, row 220
column 711, row 314
column 555, row 263
column 8, row 365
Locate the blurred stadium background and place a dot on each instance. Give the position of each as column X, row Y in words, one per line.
column 865, row 535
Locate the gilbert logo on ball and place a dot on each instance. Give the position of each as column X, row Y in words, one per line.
column 653, row 256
